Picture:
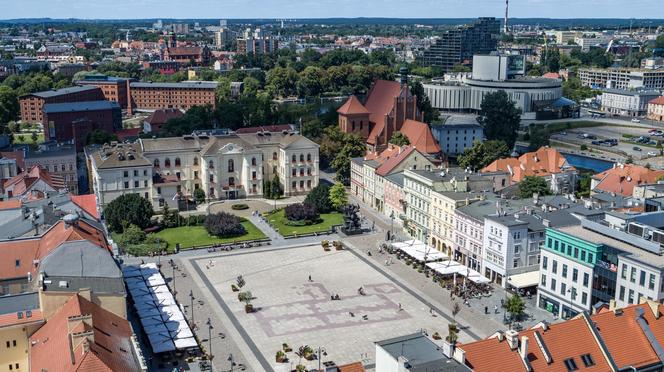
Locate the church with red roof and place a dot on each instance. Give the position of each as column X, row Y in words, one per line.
column 390, row 107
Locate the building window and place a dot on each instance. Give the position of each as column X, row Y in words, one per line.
column 623, row 272
column 584, row 298
column 301, row 172
column 126, row 184
column 195, row 160
column 651, row 283
column 125, row 174
column 309, row 186
column 211, row 178
column 543, row 280
column 563, row 288
column 211, row 164
column 231, row 181
column 231, row 165
column 630, row 299
column 135, row 172
column 564, row 271
column 622, row 293
column 294, row 172
column 294, row 159
column 632, row 275
column 553, row 284
column 253, row 175
column 554, row 267
column 309, row 155
column 167, row 162
column 545, row 262
column 177, row 162
column 159, row 190
column 136, row 184
column 642, row 279
column 586, row 279
column 575, row 275
column 294, row 185
column 274, row 156
column 308, row 171
column 156, row 163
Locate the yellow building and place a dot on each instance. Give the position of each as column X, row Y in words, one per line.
column 441, row 221
column 20, row 318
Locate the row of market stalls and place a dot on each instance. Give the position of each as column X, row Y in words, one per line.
column 438, row 261
column 162, row 319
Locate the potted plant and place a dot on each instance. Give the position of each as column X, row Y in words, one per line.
column 281, row 357
column 436, row 336
column 286, row 348
column 234, row 288
column 308, row 353
column 337, row 245
column 248, row 307
column 300, row 368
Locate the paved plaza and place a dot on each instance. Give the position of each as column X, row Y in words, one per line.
column 294, row 310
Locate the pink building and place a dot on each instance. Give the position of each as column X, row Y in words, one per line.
column 394, row 195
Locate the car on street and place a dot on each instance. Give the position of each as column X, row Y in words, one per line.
column 636, row 148
column 635, row 120
column 652, row 153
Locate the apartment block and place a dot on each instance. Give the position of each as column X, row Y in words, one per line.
column 32, row 104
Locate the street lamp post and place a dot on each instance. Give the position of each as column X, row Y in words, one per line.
column 191, row 296
column 209, row 324
column 572, row 292
column 392, row 226
column 231, row 360
column 175, row 293
column 321, row 349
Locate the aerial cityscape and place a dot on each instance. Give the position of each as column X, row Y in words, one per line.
column 267, row 185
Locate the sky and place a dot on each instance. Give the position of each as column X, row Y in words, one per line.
column 293, row 9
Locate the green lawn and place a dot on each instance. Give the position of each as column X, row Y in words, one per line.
column 27, row 138
column 189, row 236
column 278, row 220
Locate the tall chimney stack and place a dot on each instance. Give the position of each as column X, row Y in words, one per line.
column 507, row 6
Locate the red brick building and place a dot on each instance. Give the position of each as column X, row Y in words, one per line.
column 154, row 96
column 113, row 88
column 199, row 56
column 64, row 122
column 32, row 104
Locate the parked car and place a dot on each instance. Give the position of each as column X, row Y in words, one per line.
column 652, row 153
column 635, row 120
column 636, row 148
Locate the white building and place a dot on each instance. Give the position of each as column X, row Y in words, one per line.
column 169, row 170
column 627, row 102
column 457, row 133
column 622, row 78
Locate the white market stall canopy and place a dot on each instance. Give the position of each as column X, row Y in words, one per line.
column 524, row 280
column 162, row 319
column 446, row 267
column 419, row 251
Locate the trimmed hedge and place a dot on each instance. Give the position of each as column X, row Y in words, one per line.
column 239, row 207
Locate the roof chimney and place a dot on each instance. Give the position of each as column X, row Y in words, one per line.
column 523, row 350
column 512, row 337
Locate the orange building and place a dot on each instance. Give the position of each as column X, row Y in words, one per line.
column 622, row 178
column 153, row 96
column 32, row 104
column 113, row 88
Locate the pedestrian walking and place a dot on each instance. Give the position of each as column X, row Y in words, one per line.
column 400, row 306
column 486, row 309
column 310, row 278
column 495, row 309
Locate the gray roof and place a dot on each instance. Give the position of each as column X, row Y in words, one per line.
column 173, row 143
column 422, row 354
column 396, row 178
column 80, row 258
column 75, row 284
column 626, row 92
column 59, row 92
column 184, row 85
column 359, row 160
column 460, row 195
column 59, row 151
column 461, row 120
column 483, row 208
column 19, row 302
column 51, row 108
column 108, row 156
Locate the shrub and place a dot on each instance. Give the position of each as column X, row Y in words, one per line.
column 239, row 207
column 199, row 196
column 301, row 212
column 319, row 197
column 224, row 225
column 132, row 235
column 128, row 209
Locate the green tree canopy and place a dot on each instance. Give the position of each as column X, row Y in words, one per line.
column 482, row 154
column 353, row 146
column 515, row 306
column 500, row 117
column 399, row 139
column 423, row 103
column 338, row 196
column 128, row 209
column 533, row 184
column 100, row 137
column 9, row 107
column 319, row 197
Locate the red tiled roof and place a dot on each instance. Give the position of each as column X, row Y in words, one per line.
column 657, row 101
column 420, row 136
column 128, row 133
column 11, row 319
column 392, row 162
column 551, row 75
column 622, row 179
column 88, row 203
column 160, row 117
column 352, row 367
column 10, row 204
column 380, row 102
column 24, row 180
column 26, row 251
column 184, row 51
column 266, row 128
column 541, row 163
column 620, row 332
column 353, row 106
column 110, row 347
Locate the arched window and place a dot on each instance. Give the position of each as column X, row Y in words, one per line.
column 211, row 177
column 211, row 164
column 274, row 156
column 231, row 165
column 231, row 181
column 177, row 162
column 308, row 157
column 167, row 162
column 294, row 159
column 156, row 163
column 253, row 161
column 308, row 171
column 301, row 158
column 195, row 160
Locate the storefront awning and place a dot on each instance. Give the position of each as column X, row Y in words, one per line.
column 524, row 280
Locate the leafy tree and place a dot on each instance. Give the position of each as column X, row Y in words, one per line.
column 399, row 139
column 319, row 197
column 224, row 225
column 276, row 189
column 132, row 235
column 197, row 117
column 9, row 107
column 515, row 306
column 338, row 196
column 500, row 117
column 354, row 146
column 533, row 184
column 383, row 57
column 282, row 81
column 460, row 68
column 128, row 209
column 483, row 154
column 452, row 333
column 574, row 90
column 301, row 212
column 312, row 82
column 199, row 196
column 423, row 104
column 539, row 137
column 100, row 137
